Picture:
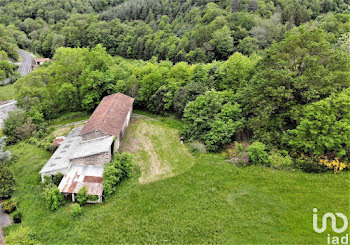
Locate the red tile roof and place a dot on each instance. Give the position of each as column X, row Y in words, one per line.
column 109, row 116
column 42, row 60
column 57, row 141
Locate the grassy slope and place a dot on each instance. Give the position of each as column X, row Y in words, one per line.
column 212, row 201
column 7, row 92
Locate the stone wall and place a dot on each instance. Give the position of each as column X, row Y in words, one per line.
column 97, row 159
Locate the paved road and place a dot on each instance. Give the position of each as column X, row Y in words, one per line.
column 27, row 60
column 25, row 66
column 5, row 109
column 5, row 220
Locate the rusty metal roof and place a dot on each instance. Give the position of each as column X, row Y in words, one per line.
column 109, row 116
column 80, row 176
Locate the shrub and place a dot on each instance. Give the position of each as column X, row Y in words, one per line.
column 120, row 168
column 14, row 121
column 7, row 182
column 257, row 153
column 17, row 217
column 9, row 206
column 5, row 156
column 197, row 146
column 310, row 164
column 280, row 160
column 336, row 165
column 57, row 178
column 76, row 210
column 21, row 236
column 54, row 198
column 92, row 198
column 82, row 196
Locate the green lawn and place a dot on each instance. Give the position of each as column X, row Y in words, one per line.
column 7, row 92
column 203, row 199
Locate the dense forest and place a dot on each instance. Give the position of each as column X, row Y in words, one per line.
column 192, row 31
column 274, row 72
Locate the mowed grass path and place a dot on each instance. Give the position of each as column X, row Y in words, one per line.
column 207, row 201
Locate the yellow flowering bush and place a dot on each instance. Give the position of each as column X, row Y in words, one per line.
column 334, row 164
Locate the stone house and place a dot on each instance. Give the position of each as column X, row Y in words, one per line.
column 81, row 156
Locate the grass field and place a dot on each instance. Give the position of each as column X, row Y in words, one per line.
column 7, row 92
column 196, row 198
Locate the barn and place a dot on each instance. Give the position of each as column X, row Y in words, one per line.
column 84, row 152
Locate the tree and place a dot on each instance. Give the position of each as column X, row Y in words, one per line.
column 302, row 69
column 213, row 118
column 324, row 128
column 236, row 72
column 186, row 94
column 222, row 41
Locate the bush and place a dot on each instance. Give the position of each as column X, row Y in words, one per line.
column 257, row 153
column 310, row 164
column 7, row 182
column 21, row 236
column 120, row 168
column 279, row 160
column 17, row 217
column 57, row 178
column 335, row 164
column 54, row 198
column 76, row 210
column 9, row 206
column 82, row 196
column 92, row 198
column 197, row 146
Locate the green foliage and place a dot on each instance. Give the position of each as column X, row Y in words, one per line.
column 119, row 169
column 76, row 210
column 82, row 196
column 324, row 127
column 257, row 153
column 19, row 126
column 9, row 206
column 310, row 164
column 7, row 182
column 57, row 178
column 301, row 69
column 213, row 118
column 236, row 72
column 17, row 217
column 280, row 160
column 7, row 44
column 21, row 236
column 54, row 198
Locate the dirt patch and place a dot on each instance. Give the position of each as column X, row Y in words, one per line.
column 157, row 149
column 5, row 220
